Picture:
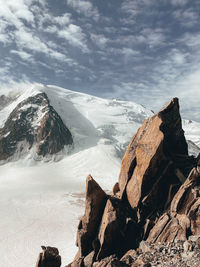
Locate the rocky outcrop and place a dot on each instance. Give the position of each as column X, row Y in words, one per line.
column 153, row 200
column 95, row 202
column 33, row 122
column 49, row 257
column 156, row 158
column 183, row 217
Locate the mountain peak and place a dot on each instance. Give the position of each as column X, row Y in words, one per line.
column 33, row 122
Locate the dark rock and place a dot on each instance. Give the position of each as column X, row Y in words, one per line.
column 33, row 121
column 89, row 223
column 111, row 230
column 49, row 257
column 184, row 216
column 111, row 261
column 116, row 188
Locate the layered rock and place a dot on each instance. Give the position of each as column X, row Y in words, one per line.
column 33, row 122
column 183, row 217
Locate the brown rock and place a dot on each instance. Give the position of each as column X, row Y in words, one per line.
column 111, row 261
column 151, row 165
column 158, row 228
column 89, row 223
column 116, row 188
column 129, row 257
column 49, row 258
column 111, row 230
column 89, row 259
column 141, row 263
column 184, row 214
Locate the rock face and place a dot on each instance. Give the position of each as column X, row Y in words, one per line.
column 183, row 217
column 33, row 121
column 94, row 205
column 49, row 257
column 153, row 200
column 154, row 160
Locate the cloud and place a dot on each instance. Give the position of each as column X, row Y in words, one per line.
column 74, row 35
column 188, row 17
column 179, row 2
column 136, row 7
column 23, row 55
column 62, row 20
column 100, row 40
column 153, row 37
column 84, row 7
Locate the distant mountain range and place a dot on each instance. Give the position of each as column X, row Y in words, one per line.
column 47, row 122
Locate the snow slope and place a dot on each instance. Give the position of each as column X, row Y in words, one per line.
column 40, row 204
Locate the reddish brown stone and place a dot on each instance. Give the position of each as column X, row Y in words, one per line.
column 150, row 165
column 111, row 230
column 89, row 223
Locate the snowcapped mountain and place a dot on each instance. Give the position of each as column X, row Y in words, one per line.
column 33, row 121
column 48, row 121
column 40, row 204
column 41, row 119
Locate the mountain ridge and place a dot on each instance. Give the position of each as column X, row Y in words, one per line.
column 92, row 119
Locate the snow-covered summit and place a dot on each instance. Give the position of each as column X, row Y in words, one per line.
column 91, row 120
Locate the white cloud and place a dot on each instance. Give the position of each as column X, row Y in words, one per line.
column 23, row 55
column 192, row 40
column 137, row 6
column 153, row 37
column 129, row 52
column 75, row 36
column 84, row 7
column 188, row 17
column 27, row 39
column 62, row 20
column 177, row 57
column 100, row 40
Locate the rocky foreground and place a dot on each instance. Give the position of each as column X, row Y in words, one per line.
column 153, row 216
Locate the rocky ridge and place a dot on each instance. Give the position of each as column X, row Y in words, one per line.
column 33, row 122
column 154, row 208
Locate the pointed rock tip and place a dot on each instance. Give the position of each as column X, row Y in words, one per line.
column 92, row 185
column 174, row 102
column 89, row 178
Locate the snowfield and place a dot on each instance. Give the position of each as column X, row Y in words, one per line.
column 42, row 201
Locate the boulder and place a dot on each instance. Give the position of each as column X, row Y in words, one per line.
column 49, row 257
column 88, row 226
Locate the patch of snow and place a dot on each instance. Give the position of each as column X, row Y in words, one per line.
column 5, row 135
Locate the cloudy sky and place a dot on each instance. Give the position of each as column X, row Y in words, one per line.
column 146, row 51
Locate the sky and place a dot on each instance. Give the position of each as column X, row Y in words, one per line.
column 146, row 51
